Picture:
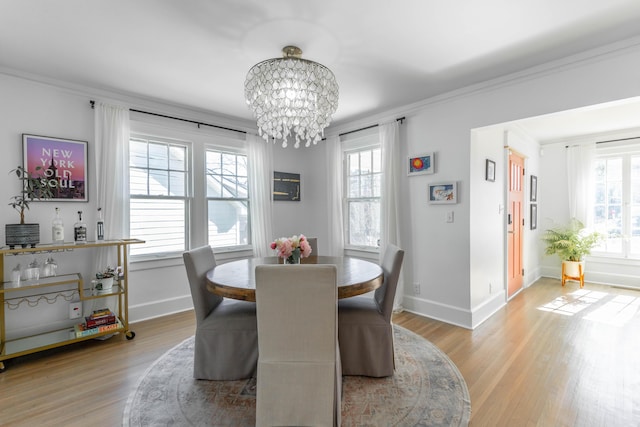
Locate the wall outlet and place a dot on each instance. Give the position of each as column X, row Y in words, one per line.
column 416, row 288
column 75, row 310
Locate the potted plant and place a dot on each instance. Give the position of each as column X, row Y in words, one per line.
column 104, row 279
column 571, row 243
column 34, row 187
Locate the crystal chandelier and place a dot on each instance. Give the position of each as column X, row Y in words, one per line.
column 291, row 95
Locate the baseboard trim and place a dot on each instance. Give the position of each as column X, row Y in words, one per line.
column 154, row 309
column 438, row 311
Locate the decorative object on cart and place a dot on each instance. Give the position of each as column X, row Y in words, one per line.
column 64, row 163
column 80, row 230
column 104, row 280
column 292, row 249
column 57, row 228
column 34, row 187
column 421, row 164
column 33, row 271
column 50, row 268
column 100, row 226
column 571, row 243
column 291, row 95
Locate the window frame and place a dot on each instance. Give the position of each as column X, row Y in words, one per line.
column 624, row 150
column 151, row 127
column 363, row 141
column 236, row 151
column 187, row 197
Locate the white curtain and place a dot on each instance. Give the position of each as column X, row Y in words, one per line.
column 390, row 197
column 111, row 159
column 580, row 181
column 334, row 196
column 260, row 159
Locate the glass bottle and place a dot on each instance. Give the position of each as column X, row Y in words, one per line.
column 100, row 226
column 50, row 267
column 80, row 230
column 57, row 229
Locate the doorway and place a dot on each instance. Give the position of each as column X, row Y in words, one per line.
column 515, row 223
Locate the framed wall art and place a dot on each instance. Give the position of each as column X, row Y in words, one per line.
column 63, row 163
column 490, row 170
column 534, row 216
column 444, row 192
column 534, row 188
column 286, row 186
column 421, row 164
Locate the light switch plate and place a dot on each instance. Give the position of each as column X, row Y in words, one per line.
column 75, row 310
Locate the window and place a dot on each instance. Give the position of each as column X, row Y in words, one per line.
column 227, row 199
column 159, row 195
column 364, row 176
column 617, row 200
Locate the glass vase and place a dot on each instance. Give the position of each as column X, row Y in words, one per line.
column 294, row 258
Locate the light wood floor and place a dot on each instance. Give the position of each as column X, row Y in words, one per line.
column 525, row 366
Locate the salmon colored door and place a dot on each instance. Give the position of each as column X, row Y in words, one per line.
column 515, row 223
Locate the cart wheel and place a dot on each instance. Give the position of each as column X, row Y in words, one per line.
column 130, row 335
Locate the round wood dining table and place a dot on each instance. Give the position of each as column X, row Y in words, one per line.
column 236, row 279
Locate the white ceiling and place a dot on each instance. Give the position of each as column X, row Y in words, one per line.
column 385, row 54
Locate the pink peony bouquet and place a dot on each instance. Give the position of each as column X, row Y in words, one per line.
column 291, row 249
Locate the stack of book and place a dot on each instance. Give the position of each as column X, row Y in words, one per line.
column 99, row 321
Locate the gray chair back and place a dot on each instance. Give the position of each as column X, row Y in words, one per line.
column 313, row 242
column 391, row 265
column 197, row 262
column 299, row 374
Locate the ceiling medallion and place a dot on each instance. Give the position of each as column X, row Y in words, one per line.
column 291, row 95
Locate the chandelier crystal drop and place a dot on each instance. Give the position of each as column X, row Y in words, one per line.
column 291, row 95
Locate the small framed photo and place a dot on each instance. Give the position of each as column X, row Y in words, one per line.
column 490, row 170
column 63, row 163
column 534, row 188
column 444, row 192
column 421, row 164
column 534, row 217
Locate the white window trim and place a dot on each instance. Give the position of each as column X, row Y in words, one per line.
column 359, row 141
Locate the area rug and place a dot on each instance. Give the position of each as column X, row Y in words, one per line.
column 426, row 390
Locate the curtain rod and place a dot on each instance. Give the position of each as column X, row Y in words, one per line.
column 399, row 119
column 92, row 102
column 178, row 118
column 607, row 141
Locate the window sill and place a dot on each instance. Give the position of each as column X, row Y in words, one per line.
column 613, row 259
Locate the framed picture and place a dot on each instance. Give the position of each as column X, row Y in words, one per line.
column 421, row 164
column 63, row 162
column 534, row 216
column 445, row 192
column 490, row 170
column 286, row 186
column 534, row 188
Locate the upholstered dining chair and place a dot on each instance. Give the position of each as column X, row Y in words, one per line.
column 364, row 324
column 299, row 378
column 226, row 339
